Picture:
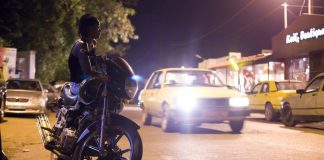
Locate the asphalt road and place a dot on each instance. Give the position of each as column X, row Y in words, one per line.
column 258, row 140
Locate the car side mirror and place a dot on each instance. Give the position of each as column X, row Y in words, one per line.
column 300, row 91
column 157, row 85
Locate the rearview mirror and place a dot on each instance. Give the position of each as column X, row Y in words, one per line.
column 300, row 91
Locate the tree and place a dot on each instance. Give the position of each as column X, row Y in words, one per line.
column 49, row 27
column 116, row 26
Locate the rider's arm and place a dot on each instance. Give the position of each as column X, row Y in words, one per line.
column 83, row 56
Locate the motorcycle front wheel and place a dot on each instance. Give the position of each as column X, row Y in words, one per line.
column 121, row 143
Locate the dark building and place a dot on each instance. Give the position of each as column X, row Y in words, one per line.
column 301, row 47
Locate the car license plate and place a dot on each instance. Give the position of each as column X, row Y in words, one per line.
column 16, row 107
column 215, row 113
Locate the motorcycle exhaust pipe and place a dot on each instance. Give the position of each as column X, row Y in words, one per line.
column 44, row 128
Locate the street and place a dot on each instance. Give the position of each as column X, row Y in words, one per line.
column 259, row 140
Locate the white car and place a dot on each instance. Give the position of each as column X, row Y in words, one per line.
column 24, row 96
column 306, row 106
column 191, row 95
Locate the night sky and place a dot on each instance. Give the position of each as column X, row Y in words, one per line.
column 172, row 31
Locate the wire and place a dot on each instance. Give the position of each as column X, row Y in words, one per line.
column 298, row 6
column 301, row 8
column 217, row 27
column 245, row 29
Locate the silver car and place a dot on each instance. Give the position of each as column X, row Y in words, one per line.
column 52, row 96
column 25, row 96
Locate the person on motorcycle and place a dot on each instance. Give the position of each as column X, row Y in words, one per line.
column 79, row 59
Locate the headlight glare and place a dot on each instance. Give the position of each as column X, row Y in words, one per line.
column 239, row 102
column 186, row 103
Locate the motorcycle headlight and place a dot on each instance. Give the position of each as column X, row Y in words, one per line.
column 186, row 103
column 130, row 87
column 239, row 102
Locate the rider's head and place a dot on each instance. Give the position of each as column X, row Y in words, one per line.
column 89, row 27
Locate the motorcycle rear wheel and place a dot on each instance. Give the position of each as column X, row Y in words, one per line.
column 122, row 143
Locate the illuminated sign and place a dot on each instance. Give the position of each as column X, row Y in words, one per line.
column 304, row 35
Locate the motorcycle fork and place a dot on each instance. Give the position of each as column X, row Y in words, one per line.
column 103, row 121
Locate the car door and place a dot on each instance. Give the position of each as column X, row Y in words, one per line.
column 253, row 96
column 263, row 97
column 306, row 103
column 149, row 94
column 320, row 100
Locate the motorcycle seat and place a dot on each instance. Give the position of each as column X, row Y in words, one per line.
column 67, row 97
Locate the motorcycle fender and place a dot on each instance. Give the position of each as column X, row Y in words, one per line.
column 116, row 119
column 87, row 131
column 119, row 119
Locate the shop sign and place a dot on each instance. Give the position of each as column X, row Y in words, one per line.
column 297, row 37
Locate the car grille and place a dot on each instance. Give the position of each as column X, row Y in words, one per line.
column 17, row 100
column 213, row 102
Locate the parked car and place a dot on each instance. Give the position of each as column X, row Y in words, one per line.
column 266, row 96
column 52, row 95
column 307, row 106
column 24, row 96
column 58, row 85
column 191, row 95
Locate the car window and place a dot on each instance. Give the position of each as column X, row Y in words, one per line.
column 155, row 81
column 256, row 89
column 24, row 85
column 290, row 85
column 265, row 88
column 314, row 86
column 192, row 78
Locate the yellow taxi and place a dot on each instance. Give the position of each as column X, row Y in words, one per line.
column 191, row 95
column 306, row 106
column 266, row 96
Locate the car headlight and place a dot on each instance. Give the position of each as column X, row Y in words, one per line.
column 239, row 102
column 186, row 103
column 38, row 100
column 130, row 87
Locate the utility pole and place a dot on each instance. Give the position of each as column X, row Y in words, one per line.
column 285, row 5
column 310, row 9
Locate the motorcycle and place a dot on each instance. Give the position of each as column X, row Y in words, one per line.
column 89, row 125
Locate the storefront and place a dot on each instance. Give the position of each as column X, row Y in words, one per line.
column 301, row 47
column 245, row 72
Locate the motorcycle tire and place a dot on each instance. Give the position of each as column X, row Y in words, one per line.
column 88, row 147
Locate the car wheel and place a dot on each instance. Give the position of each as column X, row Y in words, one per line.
column 146, row 117
column 236, row 125
column 269, row 112
column 286, row 116
column 167, row 124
